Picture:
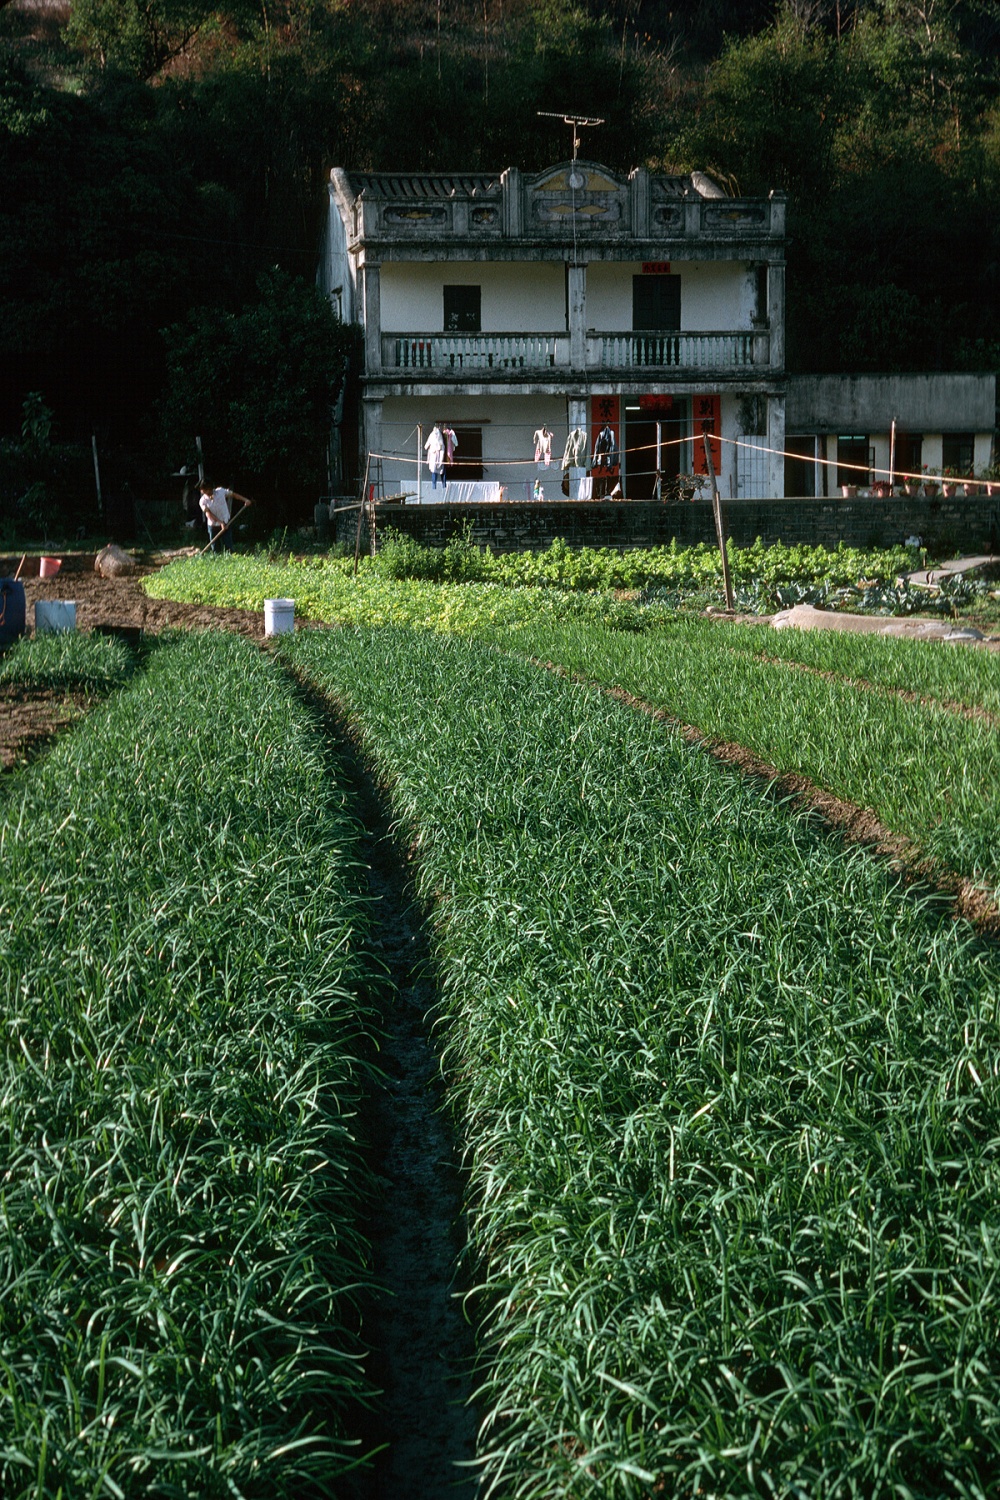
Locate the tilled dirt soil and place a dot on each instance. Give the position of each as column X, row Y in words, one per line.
column 29, row 719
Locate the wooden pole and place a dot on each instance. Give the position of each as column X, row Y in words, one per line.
column 892, row 455
column 420, row 458
column 201, row 461
column 97, row 475
column 719, row 529
column 361, row 514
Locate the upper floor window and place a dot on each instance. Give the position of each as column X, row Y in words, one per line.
column 656, row 304
column 462, row 309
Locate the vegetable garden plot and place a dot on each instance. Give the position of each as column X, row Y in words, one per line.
column 87, row 663
column 729, row 1095
column 927, row 773
column 185, row 1035
column 968, row 677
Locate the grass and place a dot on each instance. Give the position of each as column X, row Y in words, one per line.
column 729, row 1095
column 187, row 1038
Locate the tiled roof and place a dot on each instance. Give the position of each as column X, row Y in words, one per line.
column 423, row 185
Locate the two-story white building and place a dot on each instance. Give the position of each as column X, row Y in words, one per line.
column 573, row 303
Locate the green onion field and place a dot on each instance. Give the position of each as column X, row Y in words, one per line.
column 723, row 1086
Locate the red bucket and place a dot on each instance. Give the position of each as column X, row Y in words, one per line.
column 49, row 567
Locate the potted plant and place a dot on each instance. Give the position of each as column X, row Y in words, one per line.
column 930, row 484
column 881, row 488
column 948, row 483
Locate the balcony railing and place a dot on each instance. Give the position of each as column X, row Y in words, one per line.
column 474, row 351
column 502, row 353
column 673, row 351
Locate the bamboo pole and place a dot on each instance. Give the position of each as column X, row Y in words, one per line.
column 97, row 475
column 361, row 514
column 719, row 529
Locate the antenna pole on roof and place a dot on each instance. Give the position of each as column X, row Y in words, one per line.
column 576, row 121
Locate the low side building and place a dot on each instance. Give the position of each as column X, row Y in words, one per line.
column 856, row 429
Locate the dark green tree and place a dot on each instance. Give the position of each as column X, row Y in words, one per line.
column 257, row 387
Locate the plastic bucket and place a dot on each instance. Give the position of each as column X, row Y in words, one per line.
column 279, row 616
column 12, row 608
column 49, row 567
column 52, row 615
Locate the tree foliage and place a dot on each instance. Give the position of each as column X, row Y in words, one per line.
column 159, row 155
column 257, row 386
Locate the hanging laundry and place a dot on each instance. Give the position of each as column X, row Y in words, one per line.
column 605, row 449
column 435, row 450
column 450, row 442
column 575, row 452
column 543, row 446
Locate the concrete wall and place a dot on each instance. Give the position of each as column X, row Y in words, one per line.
column 718, row 295
column 508, row 425
column 515, row 298
column 870, row 403
column 945, row 526
column 336, row 274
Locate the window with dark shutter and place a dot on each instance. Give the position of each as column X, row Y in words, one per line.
column 462, row 309
column 656, row 304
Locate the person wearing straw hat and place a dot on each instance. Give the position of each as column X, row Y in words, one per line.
column 214, row 503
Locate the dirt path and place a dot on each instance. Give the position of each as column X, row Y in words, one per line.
column 121, row 601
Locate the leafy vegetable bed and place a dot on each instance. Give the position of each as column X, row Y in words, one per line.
column 324, row 589
column 729, row 1093
column 184, row 1046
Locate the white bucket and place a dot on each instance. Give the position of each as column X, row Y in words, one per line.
column 52, row 615
column 279, row 616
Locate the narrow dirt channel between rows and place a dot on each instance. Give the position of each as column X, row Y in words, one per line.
column 422, row 1344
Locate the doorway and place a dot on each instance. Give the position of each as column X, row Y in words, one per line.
column 641, row 448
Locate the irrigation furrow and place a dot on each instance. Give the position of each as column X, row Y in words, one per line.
column 859, row 825
column 422, row 1347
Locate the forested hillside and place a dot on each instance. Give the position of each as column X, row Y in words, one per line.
column 164, row 162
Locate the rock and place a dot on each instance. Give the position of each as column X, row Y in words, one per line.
column 113, row 562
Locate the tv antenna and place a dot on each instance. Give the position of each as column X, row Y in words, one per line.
column 576, row 179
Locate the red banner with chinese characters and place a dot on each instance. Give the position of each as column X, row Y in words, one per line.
column 707, row 412
column 605, row 455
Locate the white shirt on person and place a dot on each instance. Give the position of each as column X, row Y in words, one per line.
column 218, row 504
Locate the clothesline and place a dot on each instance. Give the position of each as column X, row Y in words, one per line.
column 902, row 475
column 836, row 463
column 499, row 463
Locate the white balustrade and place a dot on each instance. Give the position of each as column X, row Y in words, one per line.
column 682, row 351
column 504, row 352
column 470, row 351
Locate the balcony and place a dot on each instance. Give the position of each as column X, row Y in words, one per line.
column 501, row 354
column 447, row 352
column 676, row 351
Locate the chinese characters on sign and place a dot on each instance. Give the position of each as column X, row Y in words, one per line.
column 707, row 411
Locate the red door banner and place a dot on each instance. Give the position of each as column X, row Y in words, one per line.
column 707, row 418
column 605, row 456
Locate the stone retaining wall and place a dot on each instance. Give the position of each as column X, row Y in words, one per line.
column 946, row 526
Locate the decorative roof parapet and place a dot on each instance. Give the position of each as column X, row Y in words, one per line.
column 578, row 200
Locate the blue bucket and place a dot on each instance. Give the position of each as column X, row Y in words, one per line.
column 12, row 610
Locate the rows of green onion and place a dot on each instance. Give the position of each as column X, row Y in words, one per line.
column 186, row 1039
column 928, row 772
column 729, row 1099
